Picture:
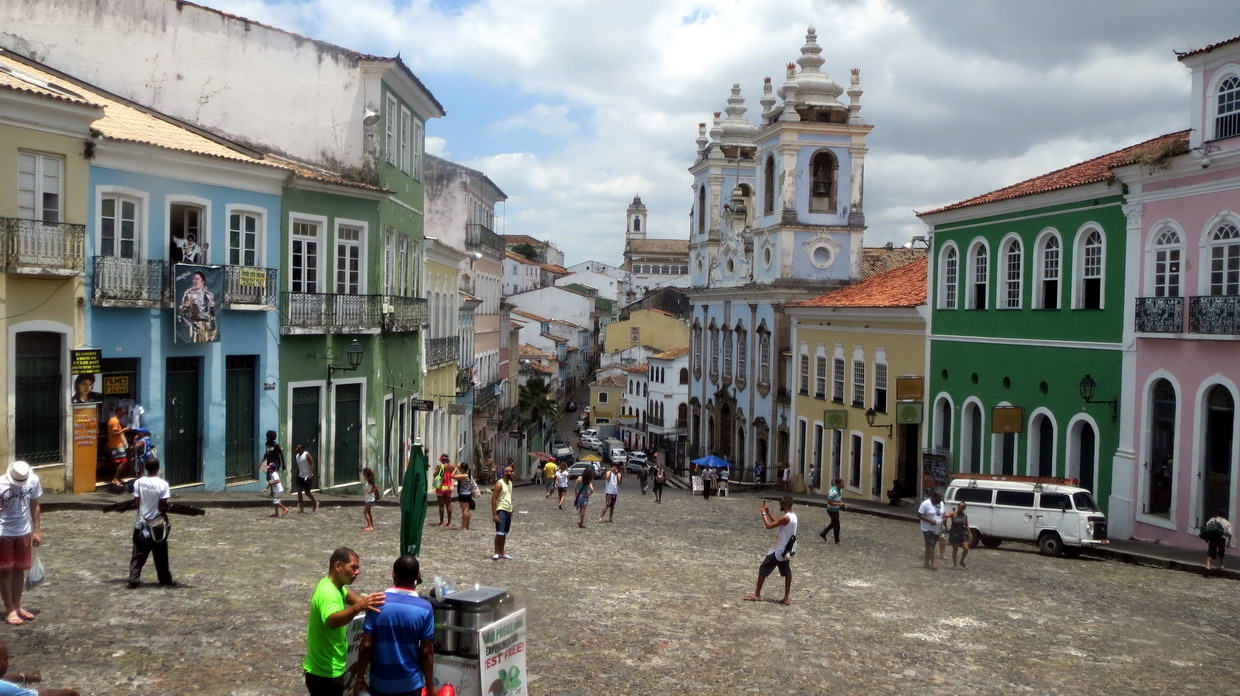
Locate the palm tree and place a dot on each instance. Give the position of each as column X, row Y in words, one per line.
column 535, row 403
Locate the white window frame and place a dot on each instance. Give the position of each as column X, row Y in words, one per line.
column 881, row 383
column 839, row 376
column 405, row 136
column 419, row 149
column 1216, row 86
column 320, row 224
column 1209, row 245
column 359, row 244
column 820, row 374
column 141, row 218
column 391, row 150
column 1012, row 255
column 949, row 277
column 1165, row 270
column 1083, row 268
column 37, row 191
column 979, row 250
column 803, row 371
column 260, row 232
column 858, row 381
column 1045, row 273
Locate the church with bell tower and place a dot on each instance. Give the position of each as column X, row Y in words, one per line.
column 652, row 263
column 778, row 217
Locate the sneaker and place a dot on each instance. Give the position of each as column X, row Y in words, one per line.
column 495, row 557
column 506, row 557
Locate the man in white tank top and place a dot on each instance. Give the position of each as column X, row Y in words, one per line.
column 785, row 546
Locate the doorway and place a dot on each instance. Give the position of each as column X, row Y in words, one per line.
column 347, row 441
column 307, row 423
column 182, row 428
column 1216, row 466
column 240, row 417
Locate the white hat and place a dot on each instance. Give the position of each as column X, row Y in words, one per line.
column 19, row 471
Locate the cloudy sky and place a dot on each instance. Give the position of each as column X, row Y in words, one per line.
column 574, row 106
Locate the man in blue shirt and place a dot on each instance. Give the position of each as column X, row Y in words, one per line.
column 398, row 643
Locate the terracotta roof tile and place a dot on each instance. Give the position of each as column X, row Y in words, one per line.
column 875, row 260
column 513, row 239
column 902, row 287
column 1207, row 49
column 643, row 368
column 614, row 381
column 1088, row 172
column 553, row 268
column 15, row 77
column 557, row 339
column 527, row 315
column 517, row 257
column 659, row 246
column 535, row 352
column 671, row 354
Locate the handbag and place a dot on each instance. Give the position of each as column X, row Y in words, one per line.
column 36, row 574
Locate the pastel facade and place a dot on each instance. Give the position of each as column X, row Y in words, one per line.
column 646, row 327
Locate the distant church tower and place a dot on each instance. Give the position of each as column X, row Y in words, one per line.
column 636, row 220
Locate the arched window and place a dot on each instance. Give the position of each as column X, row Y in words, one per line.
column 1225, row 260
column 943, row 424
column 1219, row 429
column 764, row 357
column 1227, row 111
column 979, row 275
column 637, row 223
column 684, row 375
column 697, row 349
column 824, row 170
column 1167, row 250
column 684, row 270
column 1046, row 296
column 664, row 270
column 714, row 352
column 768, row 186
column 1160, row 460
column 971, row 436
column 1013, row 276
column 701, row 210
column 727, row 354
column 742, row 354
column 1089, row 254
column 949, row 277
column 1041, row 461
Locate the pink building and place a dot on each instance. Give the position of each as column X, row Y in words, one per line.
column 1184, row 287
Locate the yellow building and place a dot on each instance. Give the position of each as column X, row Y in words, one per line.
column 850, row 349
column 45, row 154
column 606, row 401
column 646, row 327
column 441, row 429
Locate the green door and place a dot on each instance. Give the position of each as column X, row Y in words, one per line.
column 347, row 447
column 182, row 455
column 240, row 418
column 306, row 424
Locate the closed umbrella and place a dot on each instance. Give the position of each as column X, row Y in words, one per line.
column 413, row 502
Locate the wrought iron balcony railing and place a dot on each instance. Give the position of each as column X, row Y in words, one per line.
column 477, row 235
column 486, row 394
column 402, row 313
column 129, row 282
column 313, row 312
column 42, row 248
column 1160, row 315
column 441, row 351
column 1214, row 314
column 655, row 421
column 244, row 285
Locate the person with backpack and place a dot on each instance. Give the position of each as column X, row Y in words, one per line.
column 785, row 547
column 443, row 485
column 1217, row 534
column 659, row 475
column 465, row 491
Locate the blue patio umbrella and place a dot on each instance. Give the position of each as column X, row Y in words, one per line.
column 710, row 461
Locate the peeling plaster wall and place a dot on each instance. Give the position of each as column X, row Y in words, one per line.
column 279, row 89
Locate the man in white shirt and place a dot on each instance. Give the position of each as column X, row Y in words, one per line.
column 931, row 516
column 150, row 530
column 20, row 491
column 785, row 545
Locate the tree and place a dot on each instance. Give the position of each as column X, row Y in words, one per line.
column 535, row 402
column 527, row 250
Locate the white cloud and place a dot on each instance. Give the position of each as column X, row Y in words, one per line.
column 437, row 146
column 541, row 118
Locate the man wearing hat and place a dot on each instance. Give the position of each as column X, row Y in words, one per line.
column 20, row 491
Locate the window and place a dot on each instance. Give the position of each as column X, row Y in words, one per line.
column 979, row 259
column 1055, row 501
column 768, row 186
column 858, row 395
column 1014, row 498
column 714, row 352
column 185, row 223
column 974, row 495
column 304, row 271
column 1089, row 291
column 697, row 350
column 1167, row 263
column 1227, row 113
column 1013, row 262
column 742, row 355
column 1047, row 295
column 637, row 224
column 837, row 382
column 389, row 261
column 854, row 461
column 823, row 175
column 880, row 387
column 118, row 227
column 684, row 375
column 419, row 138
column 701, row 210
column 39, row 187
column 820, row 377
column 1225, row 260
column 391, row 149
column 602, row 397
column 803, row 375
column 764, row 358
column 243, row 230
column 949, row 277
column 348, row 260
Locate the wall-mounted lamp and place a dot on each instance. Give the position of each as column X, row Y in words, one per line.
column 354, row 356
column 370, row 118
column 1088, row 387
column 870, row 415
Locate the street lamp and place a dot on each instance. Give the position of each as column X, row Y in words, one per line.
column 1088, row 387
column 354, row 356
column 870, row 415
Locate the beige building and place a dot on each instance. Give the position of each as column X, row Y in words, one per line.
column 646, row 327
column 652, row 263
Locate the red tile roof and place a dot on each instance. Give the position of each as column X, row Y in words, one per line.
column 876, row 260
column 671, row 354
column 527, row 315
column 1088, row 172
column 902, row 287
column 1207, row 49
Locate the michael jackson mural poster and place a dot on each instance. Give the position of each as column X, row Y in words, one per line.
column 196, row 293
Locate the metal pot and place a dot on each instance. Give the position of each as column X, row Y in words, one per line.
column 446, row 639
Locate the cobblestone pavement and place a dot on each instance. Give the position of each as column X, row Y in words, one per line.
column 647, row 605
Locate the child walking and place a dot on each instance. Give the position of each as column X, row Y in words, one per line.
column 371, row 492
column 278, row 509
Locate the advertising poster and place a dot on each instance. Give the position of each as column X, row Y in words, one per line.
column 196, row 294
column 85, row 365
column 503, row 656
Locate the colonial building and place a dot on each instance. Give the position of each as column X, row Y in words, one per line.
column 778, row 218
column 652, row 263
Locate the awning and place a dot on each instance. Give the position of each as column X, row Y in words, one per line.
column 543, row 455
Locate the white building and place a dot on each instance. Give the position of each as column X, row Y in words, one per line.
column 633, row 409
column 667, row 422
column 520, row 274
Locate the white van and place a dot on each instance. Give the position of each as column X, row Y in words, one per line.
column 613, row 451
column 1058, row 516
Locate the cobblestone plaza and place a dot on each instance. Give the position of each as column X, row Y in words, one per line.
column 649, row 604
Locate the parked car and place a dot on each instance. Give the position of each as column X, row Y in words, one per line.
column 561, row 449
column 1057, row 516
column 572, row 406
column 586, row 410
column 579, row 425
column 577, row 468
column 637, row 461
column 589, row 432
column 590, row 443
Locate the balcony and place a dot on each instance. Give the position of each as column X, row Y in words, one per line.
column 1214, row 314
column 487, row 394
column 1160, row 315
column 250, row 288
column 441, row 351
column 42, row 248
column 314, row 313
column 477, row 235
column 129, row 282
column 404, row 313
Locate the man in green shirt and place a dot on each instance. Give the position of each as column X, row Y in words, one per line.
column 835, row 503
column 332, row 607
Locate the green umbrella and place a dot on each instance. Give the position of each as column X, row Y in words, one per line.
column 413, row 502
